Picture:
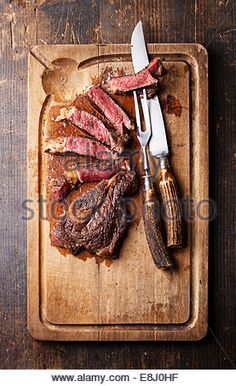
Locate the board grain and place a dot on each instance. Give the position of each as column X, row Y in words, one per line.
column 72, row 299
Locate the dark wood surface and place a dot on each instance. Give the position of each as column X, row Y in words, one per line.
column 25, row 23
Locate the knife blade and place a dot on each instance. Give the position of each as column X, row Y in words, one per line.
column 158, row 147
column 158, row 143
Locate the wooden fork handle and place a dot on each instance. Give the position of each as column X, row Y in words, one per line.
column 171, row 204
column 151, row 216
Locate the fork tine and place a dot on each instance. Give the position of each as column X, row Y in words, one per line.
column 146, row 112
column 137, row 113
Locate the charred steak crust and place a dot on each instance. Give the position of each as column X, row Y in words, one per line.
column 98, row 221
column 65, row 233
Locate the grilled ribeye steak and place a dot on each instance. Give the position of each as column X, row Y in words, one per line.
column 112, row 111
column 66, row 232
column 79, row 145
column 97, row 222
column 147, row 78
column 95, row 127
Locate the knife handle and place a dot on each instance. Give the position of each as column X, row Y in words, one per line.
column 171, row 204
column 151, row 216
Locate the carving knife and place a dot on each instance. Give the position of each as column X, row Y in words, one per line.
column 158, row 147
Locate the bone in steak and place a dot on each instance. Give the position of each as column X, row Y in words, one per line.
column 94, row 126
column 97, row 222
column 79, row 145
column 147, row 78
column 111, row 110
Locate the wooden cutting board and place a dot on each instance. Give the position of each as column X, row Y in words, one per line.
column 128, row 298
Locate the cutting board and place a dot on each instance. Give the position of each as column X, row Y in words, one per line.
column 70, row 298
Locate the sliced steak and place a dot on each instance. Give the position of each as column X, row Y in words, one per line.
column 147, row 78
column 96, row 171
column 112, row 111
column 85, row 172
column 125, row 84
column 95, row 127
column 157, row 68
column 83, row 102
column 79, row 145
column 98, row 221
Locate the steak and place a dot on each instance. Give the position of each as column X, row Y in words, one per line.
column 95, row 172
column 85, row 172
column 79, row 145
column 95, row 127
column 66, row 231
column 83, row 102
column 156, row 68
column 60, row 188
column 97, row 221
column 112, row 111
column 147, row 78
column 125, row 84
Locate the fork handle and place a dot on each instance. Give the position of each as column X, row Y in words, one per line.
column 171, row 204
column 151, row 216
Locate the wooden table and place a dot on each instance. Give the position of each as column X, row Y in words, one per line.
column 25, row 23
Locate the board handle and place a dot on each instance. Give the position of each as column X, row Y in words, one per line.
column 171, row 204
column 151, row 216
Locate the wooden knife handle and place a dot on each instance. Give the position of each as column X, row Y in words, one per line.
column 171, row 204
column 151, row 218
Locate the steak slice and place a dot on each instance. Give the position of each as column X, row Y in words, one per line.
column 157, row 68
column 98, row 220
column 79, row 145
column 95, row 127
column 112, row 111
column 95, row 172
column 60, row 188
column 85, row 172
column 83, row 102
column 147, row 78
column 125, row 84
